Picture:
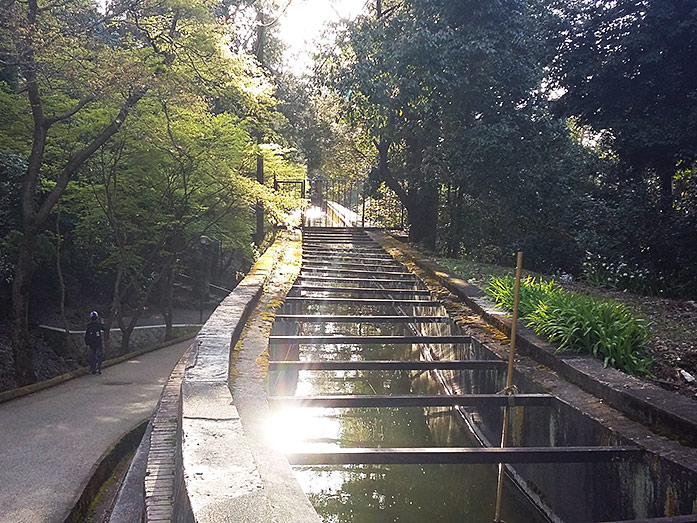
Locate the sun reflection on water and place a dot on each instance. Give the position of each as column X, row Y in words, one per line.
column 296, row 428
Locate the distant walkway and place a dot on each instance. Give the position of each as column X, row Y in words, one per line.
column 50, row 440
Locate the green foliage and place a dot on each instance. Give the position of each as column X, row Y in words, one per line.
column 621, row 276
column 383, row 208
column 624, row 71
column 533, row 292
column 604, row 328
column 12, row 167
column 476, row 272
column 639, row 248
column 182, row 163
column 446, row 100
column 627, row 67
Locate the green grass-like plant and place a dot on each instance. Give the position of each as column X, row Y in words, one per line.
column 604, row 328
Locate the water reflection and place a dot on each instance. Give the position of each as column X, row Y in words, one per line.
column 381, row 493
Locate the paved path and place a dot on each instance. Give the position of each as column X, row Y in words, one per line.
column 49, row 441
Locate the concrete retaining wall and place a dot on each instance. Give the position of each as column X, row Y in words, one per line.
column 217, row 479
column 142, row 337
column 663, row 483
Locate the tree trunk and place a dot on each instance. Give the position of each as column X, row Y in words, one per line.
column 423, row 218
column 68, row 345
column 451, row 221
column 422, row 203
column 259, row 236
column 168, row 304
column 33, row 218
column 24, row 270
column 665, row 174
column 665, row 248
column 127, row 330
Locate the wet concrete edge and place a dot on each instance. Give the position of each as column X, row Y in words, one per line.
column 218, row 477
column 666, row 413
column 130, row 500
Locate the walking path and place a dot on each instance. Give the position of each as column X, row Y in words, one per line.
column 51, row 440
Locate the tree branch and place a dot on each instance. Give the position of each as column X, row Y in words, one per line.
column 67, row 114
column 83, row 154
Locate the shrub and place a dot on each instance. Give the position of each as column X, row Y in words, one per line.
column 621, row 276
column 604, row 328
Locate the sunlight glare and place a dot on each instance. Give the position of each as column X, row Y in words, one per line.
column 314, row 213
column 288, row 429
column 303, row 23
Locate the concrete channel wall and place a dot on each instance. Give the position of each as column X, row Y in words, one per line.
column 213, row 476
column 662, row 483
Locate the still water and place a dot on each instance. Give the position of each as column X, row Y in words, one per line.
column 384, row 493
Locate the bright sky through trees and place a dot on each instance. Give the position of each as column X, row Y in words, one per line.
column 303, row 23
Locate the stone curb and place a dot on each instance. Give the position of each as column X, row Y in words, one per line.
column 102, row 470
column 666, row 413
column 12, row 394
column 158, row 480
column 215, row 474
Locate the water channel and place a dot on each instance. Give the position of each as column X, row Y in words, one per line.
column 379, row 493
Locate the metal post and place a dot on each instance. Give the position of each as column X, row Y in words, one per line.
column 203, row 283
column 259, row 239
column 509, row 383
column 363, row 214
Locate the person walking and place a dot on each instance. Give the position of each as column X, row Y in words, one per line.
column 93, row 338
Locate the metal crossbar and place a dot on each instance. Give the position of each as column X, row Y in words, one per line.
column 386, row 340
column 465, row 455
column 336, row 365
column 340, row 258
column 313, row 253
column 368, row 290
column 329, row 318
column 324, row 241
column 386, row 281
column 305, row 269
column 350, row 257
column 361, row 301
column 329, row 264
column 415, row 400
column 343, row 250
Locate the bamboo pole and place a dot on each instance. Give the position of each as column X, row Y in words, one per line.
column 509, row 383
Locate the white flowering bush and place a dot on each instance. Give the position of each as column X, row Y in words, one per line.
column 620, row 275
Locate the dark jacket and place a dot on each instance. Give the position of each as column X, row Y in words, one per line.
column 94, row 333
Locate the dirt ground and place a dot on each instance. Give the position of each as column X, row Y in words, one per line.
column 673, row 324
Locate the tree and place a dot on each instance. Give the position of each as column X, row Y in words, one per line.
column 177, row 173
column 627, row 68
column 446, row 91
column 82, row 73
